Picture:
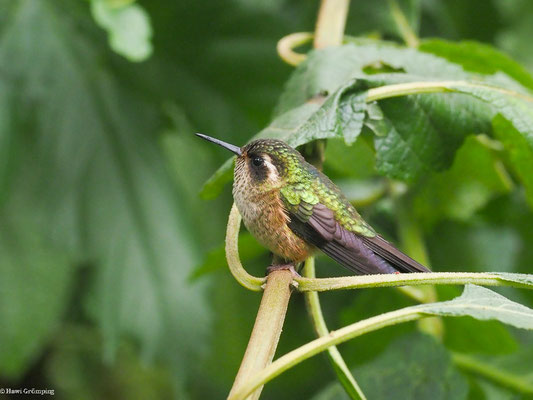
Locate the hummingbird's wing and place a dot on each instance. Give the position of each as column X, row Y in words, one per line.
column 316, row 223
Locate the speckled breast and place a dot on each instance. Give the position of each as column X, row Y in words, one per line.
column 264, row 216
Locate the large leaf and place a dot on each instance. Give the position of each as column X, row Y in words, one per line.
column 34, row 293
column 432, row 140
column 475, row 177
column 462, row 334
column 326, row 70
column 483, row 304
column 75, row 369
column 128, row 27
column 478, row 57
column 423, row 132
column 419, row 133
column 512, row 371
column 413, row 367
column 364, row 305
column 519, row 152
column 96, row 173
column 404, row 150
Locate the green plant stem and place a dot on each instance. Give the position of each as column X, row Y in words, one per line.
column 364, row 281
column 407, row 33
column 471, row 364
column 405, row 89
column 266, row 331
column 318, row 345
column 392, row 280
column 232, row 253
column 341, row 369
column 329, row 31
column 412, row 241
column 330, row 23
column 411, row 235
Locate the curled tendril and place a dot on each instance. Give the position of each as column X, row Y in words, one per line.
column 287, row 44
column 232, row 254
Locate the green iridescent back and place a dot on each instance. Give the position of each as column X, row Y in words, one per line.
column 304, row 186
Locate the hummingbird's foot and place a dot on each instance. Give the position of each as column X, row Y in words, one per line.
column 289, row 267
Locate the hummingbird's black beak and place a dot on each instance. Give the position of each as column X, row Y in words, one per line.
column 227, row 146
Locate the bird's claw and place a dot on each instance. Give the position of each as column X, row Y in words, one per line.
column 278, row 267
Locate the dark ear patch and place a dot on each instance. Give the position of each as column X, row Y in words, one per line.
column 258, row 168
column 279, row 164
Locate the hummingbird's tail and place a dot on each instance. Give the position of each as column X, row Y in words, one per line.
column 400, row 261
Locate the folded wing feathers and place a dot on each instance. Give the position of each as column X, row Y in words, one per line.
column 386, row 250
column 365, row 255
column 343, row 245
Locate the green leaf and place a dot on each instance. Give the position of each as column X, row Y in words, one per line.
column 483, row 304
column 128, row 27
column 419, row 133
column 356, row 161
column 93, row 166
column 519, row 151
column 75, row 364
column 424, row 132
column 364, row 305
column 341, row 115
column 407, row 149
column 475, row 177
column 413, row 367
column 516, row 107
column 215, row 184
column 34, row 293
column 478, row 57
column 463, row 334
column 325, row 71
column 512, row 371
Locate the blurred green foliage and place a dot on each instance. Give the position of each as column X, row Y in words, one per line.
column 102, row 228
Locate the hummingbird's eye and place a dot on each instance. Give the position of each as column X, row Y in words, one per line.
column 257, row 161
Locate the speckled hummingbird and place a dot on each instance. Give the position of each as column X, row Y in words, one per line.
column 293, row 209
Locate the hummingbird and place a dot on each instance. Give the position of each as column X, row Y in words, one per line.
column 295, row 210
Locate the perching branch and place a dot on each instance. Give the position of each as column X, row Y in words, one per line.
column 318, row 345
column 267, row 330
column 251, row 282
column 523, row 281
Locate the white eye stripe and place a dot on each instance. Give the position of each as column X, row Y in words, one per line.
column 272, row 170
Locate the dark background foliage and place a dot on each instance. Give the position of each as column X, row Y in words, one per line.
column 112, row 276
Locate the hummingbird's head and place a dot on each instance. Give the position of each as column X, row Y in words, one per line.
column 263, row 164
